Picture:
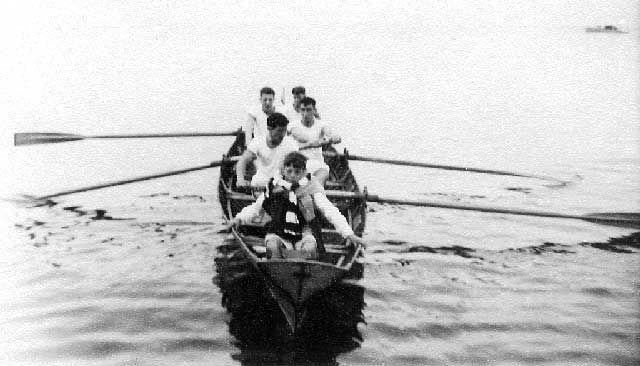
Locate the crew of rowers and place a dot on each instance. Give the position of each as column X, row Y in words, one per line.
column 271, row 133
column 285, row 144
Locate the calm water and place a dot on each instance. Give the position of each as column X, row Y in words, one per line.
column 132, row 275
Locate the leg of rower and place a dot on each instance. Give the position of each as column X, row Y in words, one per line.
column 308, row 246
column 322, row 175
column 275, row 246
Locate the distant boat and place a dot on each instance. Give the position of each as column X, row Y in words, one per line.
column 605, row 29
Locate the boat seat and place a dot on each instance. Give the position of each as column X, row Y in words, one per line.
column 253, row 241
column 248, row 197
column 337, row 249
column 240, row 196
column 330, row 248
column 333, row 185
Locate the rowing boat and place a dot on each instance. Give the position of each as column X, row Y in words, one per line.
column 294, row 283
column 605, row 29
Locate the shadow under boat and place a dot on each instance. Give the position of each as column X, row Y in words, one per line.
column 262, row 332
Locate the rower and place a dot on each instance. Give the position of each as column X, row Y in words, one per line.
column 292, row 111
column 267, row 151
column 256, row 124
column 293, row 200
column 311, row 134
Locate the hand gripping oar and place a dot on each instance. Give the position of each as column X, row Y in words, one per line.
column 34, row 138
column 622, row 219
column 138, row 179
column 445, row 167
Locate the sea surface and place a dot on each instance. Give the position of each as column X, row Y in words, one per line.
column 134, row 274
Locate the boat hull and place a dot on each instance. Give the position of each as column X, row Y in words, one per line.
column 294, row 283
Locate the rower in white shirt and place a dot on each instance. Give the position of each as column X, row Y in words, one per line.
column 256, row 125
column 292, row 111
column 267, row 151
column 310, row 134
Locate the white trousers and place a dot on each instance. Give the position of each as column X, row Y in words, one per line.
column 278, row 248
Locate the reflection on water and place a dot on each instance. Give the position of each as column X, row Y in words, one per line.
column 88, row 290
column 261, row 331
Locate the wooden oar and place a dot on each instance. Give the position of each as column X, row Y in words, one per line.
column 446, row 167
column 33, row 138
column 622, row 219
column 137, row 179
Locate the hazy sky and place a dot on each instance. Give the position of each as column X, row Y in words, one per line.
column 105, row 66
column 94, row 36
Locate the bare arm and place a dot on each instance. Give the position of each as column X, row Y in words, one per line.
column 241, row 167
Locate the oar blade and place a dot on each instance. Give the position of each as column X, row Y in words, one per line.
column 35, row 138
column 621, row 219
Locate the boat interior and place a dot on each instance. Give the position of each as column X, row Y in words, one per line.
column 338, row 250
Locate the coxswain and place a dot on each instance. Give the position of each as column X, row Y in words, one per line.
column 293, row 200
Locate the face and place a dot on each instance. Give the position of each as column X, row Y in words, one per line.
column 297, row 98
column 267, row 103
column 292, row 174
column 307, row 112
column 276, row 134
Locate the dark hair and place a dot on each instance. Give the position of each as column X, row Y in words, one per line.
column 295, row 159
column 267, row 90
column 307, row 101
column 298, row 90
column 277, row 120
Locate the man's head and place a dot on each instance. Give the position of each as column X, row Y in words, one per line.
column 267, row 95
column 277, row 127
column 294, row 167
column 308, row 108
column 298, row 94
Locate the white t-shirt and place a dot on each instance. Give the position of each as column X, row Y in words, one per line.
column 303, row 134
column 291, row 114
column 268, row 160
column 259, row 126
